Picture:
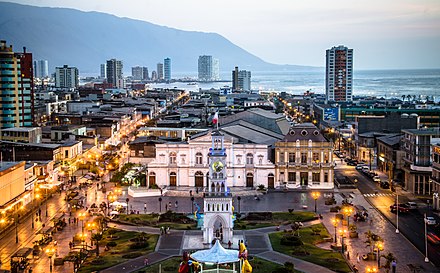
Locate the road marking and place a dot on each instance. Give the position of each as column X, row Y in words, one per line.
column 377, row 195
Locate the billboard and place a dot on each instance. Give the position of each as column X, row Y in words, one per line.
column 331, row 114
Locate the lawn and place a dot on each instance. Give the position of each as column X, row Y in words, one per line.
column 172, row 265
column 309, row 251
column 278, row 218
column 119, row 253
column 152, row 220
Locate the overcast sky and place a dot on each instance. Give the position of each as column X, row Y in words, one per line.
column 383, row 33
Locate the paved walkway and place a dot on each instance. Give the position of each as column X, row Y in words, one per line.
column 402, row 249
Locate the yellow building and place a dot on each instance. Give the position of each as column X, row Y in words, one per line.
column 304, row 159
column 12, row 184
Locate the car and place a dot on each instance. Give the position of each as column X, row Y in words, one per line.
column 384, row 185
column 376, row 178
column 430, row 220
column 433, row 238
column 351, row 163
column 412, row 205
column 359, row 166
column 401, row 207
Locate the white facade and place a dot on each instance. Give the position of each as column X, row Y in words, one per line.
column 208, row 68
column 186, row 164
column 41, row 69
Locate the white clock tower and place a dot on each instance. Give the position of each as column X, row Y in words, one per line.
column 217, row 223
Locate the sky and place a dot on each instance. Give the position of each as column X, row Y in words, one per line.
column 385, row 34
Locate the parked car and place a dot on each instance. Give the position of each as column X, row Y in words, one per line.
column 401, row 207
column 430, row 220
column 351, row 163
column 376, row 178
column 360, row 166
column 384, row 185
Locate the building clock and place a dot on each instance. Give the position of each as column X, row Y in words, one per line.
column 217, row 166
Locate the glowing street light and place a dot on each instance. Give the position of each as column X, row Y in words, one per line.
column 347, row 211
column 371, row 269
column 379, row 246
column 50, row 251
column 315, row 195
column 335, row 222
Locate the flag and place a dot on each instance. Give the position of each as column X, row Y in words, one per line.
column 215, row 118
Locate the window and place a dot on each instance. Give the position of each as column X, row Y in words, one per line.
column 260, row 159
column 281, row 159
column 303, row 158
column 173, row 158
column 326, row 177
column 249, row 159
column 199, row 158
column 291, row 157
column 326, row 158
column 316, row 157
column 292, row 176
column 316, row 177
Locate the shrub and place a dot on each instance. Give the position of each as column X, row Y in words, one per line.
column 139, row 245
column 131, row 255
column 259, row 216
column 290, row 240
column 98, row 260
column 111, row 244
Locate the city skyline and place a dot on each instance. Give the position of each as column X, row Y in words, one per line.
column 381, row 33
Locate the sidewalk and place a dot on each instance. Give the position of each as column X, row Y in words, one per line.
column 404, row 251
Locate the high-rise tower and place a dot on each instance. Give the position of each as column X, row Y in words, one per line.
column 167, row 69
column 66, row 77
column 208, row 68
column 339, row 74
column 16, row 87
column 159, row 71
column 114, row 73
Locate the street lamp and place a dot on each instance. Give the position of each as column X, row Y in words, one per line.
column 347, row 211
column 81, row 217
column 371, row 269
column 315, row 195
column 342, row 232
column 426, row 240
column 83, row 237
column 91, row 226
column 379, row 246
column 50, row 251
column 160, row 204
column 335, row 222
column 127, row 200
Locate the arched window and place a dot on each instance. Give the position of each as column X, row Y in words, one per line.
column 198, row 179
column 220, row 175
column 249, row 180
column 249, row 159
column 271, row 181
column 152, row 179
column 173, row 158
column 173, row 179
column 199, row 159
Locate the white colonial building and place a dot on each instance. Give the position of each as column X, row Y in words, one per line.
column 186, row 163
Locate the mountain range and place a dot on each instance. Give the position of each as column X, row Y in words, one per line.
column 87, row 39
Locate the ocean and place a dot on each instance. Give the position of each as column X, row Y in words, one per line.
column 379, row 83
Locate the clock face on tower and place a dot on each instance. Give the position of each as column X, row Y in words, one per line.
column 217, row 166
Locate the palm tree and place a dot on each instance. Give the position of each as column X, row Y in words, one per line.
column 97, row 237
column 389, row 259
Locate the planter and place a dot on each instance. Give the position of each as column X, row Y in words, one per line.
column 354, row 234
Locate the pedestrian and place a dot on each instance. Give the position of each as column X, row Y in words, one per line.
column 197, row 190
column 161, row 230
column 393, row 266
column 166, row 207
column 168, row 230
column 169, row 205
column 146, row 262
column 348, row 255
column 175, row 205
column 229, row 244
column 30, row 269
column 190, row 193
column 39, row 212
column 358, row 259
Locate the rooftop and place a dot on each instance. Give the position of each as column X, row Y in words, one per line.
column 20, row 129
column 423, row 131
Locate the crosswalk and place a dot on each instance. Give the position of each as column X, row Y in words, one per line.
column 378, row 194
